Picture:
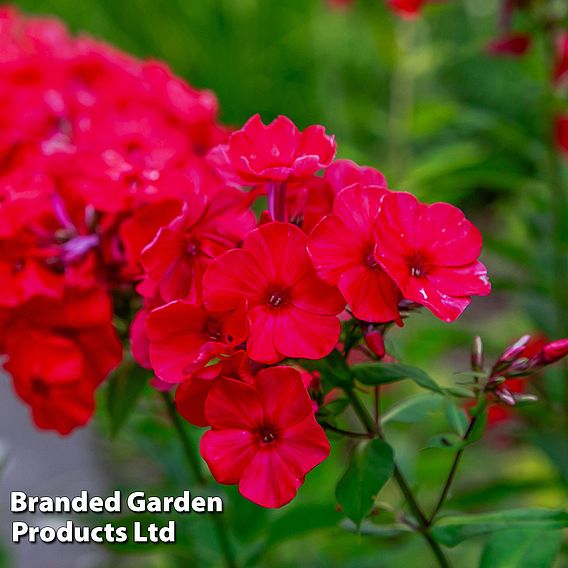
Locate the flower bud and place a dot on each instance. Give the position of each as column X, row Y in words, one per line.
column 376, row 343
column 477, row 354
column 514, row 350
column 554, row 351
column 505, row 395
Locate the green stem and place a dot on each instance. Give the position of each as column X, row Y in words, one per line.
column 423, row 525
column 453, row 471
column 194, row 464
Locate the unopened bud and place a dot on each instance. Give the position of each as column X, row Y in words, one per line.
column 477, row 354
column 376, row 343
column 554, row 351
column 504, row 394
column 514, row 350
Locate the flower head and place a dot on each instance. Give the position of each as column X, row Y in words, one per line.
column 431, row 252
column 342, row 248
column 291, row 312
column 263, row 436
column 277, row 152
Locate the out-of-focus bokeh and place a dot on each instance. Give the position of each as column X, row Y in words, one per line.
column 423, row 102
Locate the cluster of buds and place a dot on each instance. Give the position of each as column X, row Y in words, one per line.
column 521, row 359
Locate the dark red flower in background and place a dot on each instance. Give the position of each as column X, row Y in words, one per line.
column 431, row 252
column 513, row 45
column 58, row 353
column 292, row 313
column 263, row 436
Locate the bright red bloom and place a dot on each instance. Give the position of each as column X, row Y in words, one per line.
column 342, row 249
column 407, row 8
column 179, row 254
column 561, row 60
column 292, row 313
column 58, row 354
column 431, row 252
column 513, row 45
column 277, row 152
column 343, row 173
column 184, row 337
column 264, row 436
column 193, row 392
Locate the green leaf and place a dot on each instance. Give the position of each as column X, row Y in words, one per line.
column 413, row 409
column 383, row 373
column 449, row 441
column 479, row 427
column 453, row 529
column 333, row 369
column 371, row 529
column 457, row 418
column 123, row 391
column 521, row 548
column 371, row 467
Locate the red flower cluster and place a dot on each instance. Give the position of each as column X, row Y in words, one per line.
column 97, row 151
column 116, row 182
column 226, row 296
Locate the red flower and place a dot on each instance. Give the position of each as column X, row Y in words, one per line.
column 561, row 133
column 342, row 249
column 193, row 392
column 184, row 337
column 58, row 354
column 407, row 8
column 561, row 60
column 277, row 152
column 291, row 311
column 431, row 252
column 264, row 436
column 513, row 44
column 343, row 173
column 179, row 254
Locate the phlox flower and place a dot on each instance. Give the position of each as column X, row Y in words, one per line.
column 431, row 252
column 291, row 312
column 342, row 249
column 264, row 436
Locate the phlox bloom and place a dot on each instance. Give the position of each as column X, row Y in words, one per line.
column 264, row 436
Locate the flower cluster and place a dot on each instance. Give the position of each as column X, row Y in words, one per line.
column 97, row 151
column 234, row 259
column 227, row 296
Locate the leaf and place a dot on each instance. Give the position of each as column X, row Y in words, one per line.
column 383, row 373
column 479, row 427
column 333, row 369
column 453, row 529
column 521, row 548
column 123, row 391
column 449, row 441
column 371, row 529
column 457, row 418
column 413, row 409
column 371, row 467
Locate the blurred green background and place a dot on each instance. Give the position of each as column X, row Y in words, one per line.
column 422, row 102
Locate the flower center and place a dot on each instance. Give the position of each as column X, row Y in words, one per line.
column 39, row 387
column 192, row 248
column 369, row 257
column 417, row 264
column 277, row 298
column 267, row 435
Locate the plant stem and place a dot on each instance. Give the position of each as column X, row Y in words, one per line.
column 453, row 471
column 195, row 467
column 423, row 524
column 348, row 433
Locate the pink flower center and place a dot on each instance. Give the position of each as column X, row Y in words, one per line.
column 192, row 248
column 39, row 387
column 369, row 257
